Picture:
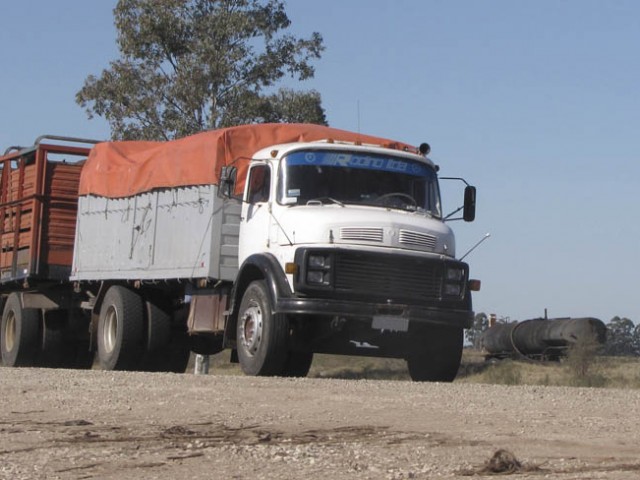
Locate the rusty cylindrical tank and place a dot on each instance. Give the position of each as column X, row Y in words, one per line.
column 541, row 336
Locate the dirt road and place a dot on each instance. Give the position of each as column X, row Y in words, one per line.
column 94, row 424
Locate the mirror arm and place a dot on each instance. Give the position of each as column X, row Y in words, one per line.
column 456, row 178
column 448, row 217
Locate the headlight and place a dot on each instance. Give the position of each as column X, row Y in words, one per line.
column 319, row 269
column 454, row 281
column 318, row 277
column 455, row 275
column 318, row 261
column 453, row 289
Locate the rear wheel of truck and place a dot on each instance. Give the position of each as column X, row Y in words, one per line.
column 54, row 347
column 120, row 330
column 19, row 333
column 435, row 354
column 158, row 326
column 178, row 354
column 261, row 336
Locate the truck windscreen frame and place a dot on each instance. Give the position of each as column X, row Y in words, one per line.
column 313, row 177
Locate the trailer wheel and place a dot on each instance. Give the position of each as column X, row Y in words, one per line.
column 19, row 333
column 297, row 364
column 435, row 355
column 54, row 346
column 158, row 323
column 120, row 330
column 178, row 354
column 261, row 335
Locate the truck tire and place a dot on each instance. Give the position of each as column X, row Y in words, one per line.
column 158, row 323
column 435, row 355
column 54, row 347
column 178, row 354
column 120, row 330
column 297, row 364
column 19, row 333
column 79, row 355
column 261, row 335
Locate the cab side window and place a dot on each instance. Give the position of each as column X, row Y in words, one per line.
column 259, row 183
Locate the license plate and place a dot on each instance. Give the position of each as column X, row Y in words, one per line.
column 392, row 323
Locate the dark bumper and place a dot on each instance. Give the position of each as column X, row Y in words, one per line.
column 416, row 314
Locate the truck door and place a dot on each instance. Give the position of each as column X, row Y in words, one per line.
column 256, row 220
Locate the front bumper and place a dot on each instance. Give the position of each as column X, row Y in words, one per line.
column 363, row 311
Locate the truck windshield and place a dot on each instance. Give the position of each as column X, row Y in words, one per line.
column 313, row 177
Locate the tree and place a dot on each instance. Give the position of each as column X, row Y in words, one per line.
column 636, row 340
column 620, row 337
column 192, row 65
column 480, row 324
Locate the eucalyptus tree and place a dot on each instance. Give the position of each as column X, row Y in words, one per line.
column 192, row 65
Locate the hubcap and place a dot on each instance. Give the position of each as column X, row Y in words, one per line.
column 251, row 329
column 110, row 330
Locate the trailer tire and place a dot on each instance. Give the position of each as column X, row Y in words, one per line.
column 120, row 330
column 435, row 355
column 298, row 364
column 158, row 323
column 19, row 333
column 261, row 335
column 54, row 346
column 80, row 356
column 178, row 354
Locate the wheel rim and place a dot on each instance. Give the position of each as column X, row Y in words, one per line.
column 110, row 330
column 10, row 332
column 251, row 329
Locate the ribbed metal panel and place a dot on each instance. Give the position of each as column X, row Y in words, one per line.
column 60, row 212
column 408, row 237
column 400, row 278
column 368, row 234
column 38, row 204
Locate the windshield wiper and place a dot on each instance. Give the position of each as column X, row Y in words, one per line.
column 321, row 201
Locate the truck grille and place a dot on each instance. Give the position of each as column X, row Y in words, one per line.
column 400, row 278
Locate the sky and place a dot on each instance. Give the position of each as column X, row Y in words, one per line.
column 536, row 103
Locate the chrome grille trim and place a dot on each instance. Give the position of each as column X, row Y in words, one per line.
column 368, row 234
column 408, row 237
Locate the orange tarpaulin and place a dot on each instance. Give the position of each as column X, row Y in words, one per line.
column 122, row 169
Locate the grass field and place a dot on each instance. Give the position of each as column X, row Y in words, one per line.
column 601, row 372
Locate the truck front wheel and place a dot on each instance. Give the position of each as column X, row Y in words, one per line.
column 261, row 335
column 120, row 330
column 435, row 355
column 19, row 333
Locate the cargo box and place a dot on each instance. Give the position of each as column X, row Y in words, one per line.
column 38, row 201
column 168, row 234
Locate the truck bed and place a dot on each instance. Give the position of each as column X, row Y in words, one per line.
column 166, row 234
column 38, row 204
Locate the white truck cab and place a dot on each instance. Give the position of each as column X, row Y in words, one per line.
column 354, row 255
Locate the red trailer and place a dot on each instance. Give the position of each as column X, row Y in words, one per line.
column 38, row 208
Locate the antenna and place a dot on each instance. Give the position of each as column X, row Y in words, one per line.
column 358, row 112
column 486, row 235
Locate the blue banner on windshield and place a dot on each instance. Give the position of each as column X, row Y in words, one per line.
column 360, row 160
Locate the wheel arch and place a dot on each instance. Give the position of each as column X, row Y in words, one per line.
column 260, row 266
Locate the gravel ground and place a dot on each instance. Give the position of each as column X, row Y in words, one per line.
column 94, row 424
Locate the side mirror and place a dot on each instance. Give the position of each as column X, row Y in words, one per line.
column 469, row 212
column 227, row 185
